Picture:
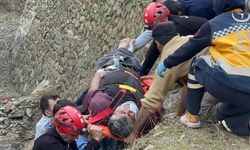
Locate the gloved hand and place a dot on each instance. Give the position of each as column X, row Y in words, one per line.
column 161, row 69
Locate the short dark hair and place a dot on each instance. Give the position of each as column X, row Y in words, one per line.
column 44, row 101
column 174, row 6
column 120, row 127
column 62, row 103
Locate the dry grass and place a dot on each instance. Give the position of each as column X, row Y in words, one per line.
column 171, row 135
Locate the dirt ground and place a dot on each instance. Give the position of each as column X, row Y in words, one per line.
column 171, row 135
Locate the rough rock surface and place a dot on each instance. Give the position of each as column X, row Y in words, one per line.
column 61, row 40
column 13, row 5
column 8, row 26
column 58, row 41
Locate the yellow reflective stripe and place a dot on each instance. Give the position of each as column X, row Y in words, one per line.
column 226, row 66
column 194, row 86
column 127, row 87
column 231, row 69
column 237, row 10
column 191, row 77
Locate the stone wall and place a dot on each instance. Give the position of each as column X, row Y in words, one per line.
column 60, row 40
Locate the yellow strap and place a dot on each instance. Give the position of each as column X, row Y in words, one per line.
column 127, row 87
column 236, row 10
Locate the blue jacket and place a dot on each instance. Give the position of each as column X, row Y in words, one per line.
column 227, row 37
column 200, row 8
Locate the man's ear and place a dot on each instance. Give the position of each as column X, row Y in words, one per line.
column 48, row 113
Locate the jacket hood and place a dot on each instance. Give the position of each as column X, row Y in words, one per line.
column 221, row 6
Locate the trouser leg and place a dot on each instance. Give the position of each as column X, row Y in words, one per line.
column 195, row 94
column 152, row 54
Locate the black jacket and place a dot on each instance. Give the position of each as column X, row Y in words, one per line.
column 185, row 25
column 53, row 141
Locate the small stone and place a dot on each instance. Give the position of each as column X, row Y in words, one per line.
column 12, row 108
column 29, row 135
column 29, row 112
column 3, row 132
column 6, row 99
column 3, row 126
column 7, row 107
column 2, row 119
column 70, row 32
column 16, row 103
column 182, row 137
column 16, row 115
column 1, row 108
column 4, row 115
column 149, row 147
column 82, row 19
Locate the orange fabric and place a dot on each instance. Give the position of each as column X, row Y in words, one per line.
column 106, row 132
column 192, row 118
column 146, row 82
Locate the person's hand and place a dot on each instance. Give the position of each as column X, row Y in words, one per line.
column 124, row 43
column 96, row 133
column 131, row 138
column 132, row 42
column 101, row 72
column 161, row 69
column 86, row 118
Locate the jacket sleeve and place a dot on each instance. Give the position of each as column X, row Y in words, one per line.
column 143, row 39
column 161, row 86
column 151, row 57
column 49, row 145
column 92, row 145
column 196, row 44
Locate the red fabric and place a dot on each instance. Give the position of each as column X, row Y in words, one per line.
column 146, row 82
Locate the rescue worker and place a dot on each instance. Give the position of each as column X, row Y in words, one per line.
column 225, row 73
column 47, row 104
column 68, row 124
column 167, row 40
column 199, row 8
column 154, row 14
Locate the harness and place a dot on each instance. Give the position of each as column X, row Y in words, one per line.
column 101, row 116
column 123, row 90
column 114, row 103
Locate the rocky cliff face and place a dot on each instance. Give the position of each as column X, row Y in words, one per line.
column 56, row 40
column 61, row 40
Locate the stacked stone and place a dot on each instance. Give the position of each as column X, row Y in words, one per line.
column 61, row 40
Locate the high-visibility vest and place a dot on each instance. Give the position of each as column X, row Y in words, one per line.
column 231, row 42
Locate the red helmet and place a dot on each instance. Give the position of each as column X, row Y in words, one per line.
column 69, row 120
column 155, row 13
